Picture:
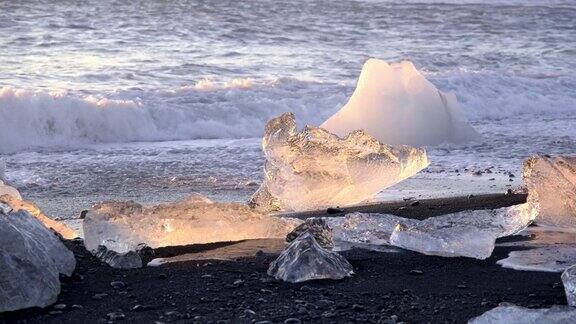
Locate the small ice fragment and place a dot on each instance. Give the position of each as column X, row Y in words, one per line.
column 314, row 169
column 121, row 226
column 470, row 233
column 512, row 314
column 546, row 259
column 569, row 281
column 317, row 227
column 304, row 259
column 551, row 183
column 364, row 228
column 9, row 190
column 128, row 260
column 397, row 105
column 32, row 259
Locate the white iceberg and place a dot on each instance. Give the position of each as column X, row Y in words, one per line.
column 314, row 169
column 304, row 259
column 31, row 260
column 397, row 105
column 123, row 226
column 551, row 183
column 512, row 314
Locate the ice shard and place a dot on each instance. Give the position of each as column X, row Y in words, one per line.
column 314, row 169
column 122, row 226
column 397, row 105
column 469, row 233
column 366, row 228
column 304, row 259
column 512, row 314
column 31, row 261
column 128, row 260
column 569, row 281
column 9, row 190
column 318, row 228
column 551, row 183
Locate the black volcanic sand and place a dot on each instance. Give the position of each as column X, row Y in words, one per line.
column 387, row 287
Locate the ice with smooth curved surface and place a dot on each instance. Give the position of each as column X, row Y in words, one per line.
column 512, row 314
column 551, row 183
column 127, row 260
column 318, row 227
column 397, row 105
column 569, row 281
column 31, row 260
column 304, row 259
column 122, row 226
column 314, row 169
column 469, row 233
column 9, row 190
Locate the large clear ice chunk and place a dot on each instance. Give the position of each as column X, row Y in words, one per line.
column 123, row 226
column 551, row 183
column 304, row 259
column 314, row 169
column 31, row 260
column 318, row 228
column 512, row 314
column 397, row 105
column 569, row 281
column 469, row 233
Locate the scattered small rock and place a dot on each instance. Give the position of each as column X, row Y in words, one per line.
column 59, row 306
column 99, row 296
column 115, row 316
column 292, row 320
column 117, row 284
column 416, row 272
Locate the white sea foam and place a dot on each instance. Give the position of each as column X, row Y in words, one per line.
column 34, row 119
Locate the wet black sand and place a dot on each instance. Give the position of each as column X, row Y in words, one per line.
column 387, row 287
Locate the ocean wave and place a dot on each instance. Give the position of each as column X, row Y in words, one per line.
column 39, row 120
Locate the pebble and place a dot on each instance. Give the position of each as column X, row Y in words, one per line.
column 60, row 306
column 115, row 316
column 140, row 308
column 238, row 282
column 415, row 203
column 117, row 284
column 358, row 307
column 292, row 320
column 100, row 296
column 416, row 272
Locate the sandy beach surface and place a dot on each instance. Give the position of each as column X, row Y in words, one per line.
column 227, row 283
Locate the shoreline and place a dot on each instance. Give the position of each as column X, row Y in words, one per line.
column 383, row 288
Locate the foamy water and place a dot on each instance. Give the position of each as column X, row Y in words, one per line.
column 89, row 94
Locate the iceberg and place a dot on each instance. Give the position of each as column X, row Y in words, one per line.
column 569, row 281
column 304, row 259
column 9, row 191
column 551, row 183
column 314, row 169
column 32, row 259
column 318, row 228
column 122, row 226
column 471, row 233
column 512, row 314
column 397, row 105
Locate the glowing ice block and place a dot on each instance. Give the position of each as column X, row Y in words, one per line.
column 314, row 169
column 304, row 259
column 551, row 183
column 397, row 105
column 123, row 226
column 32, row 259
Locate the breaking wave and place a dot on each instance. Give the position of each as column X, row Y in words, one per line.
column 31, row 119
